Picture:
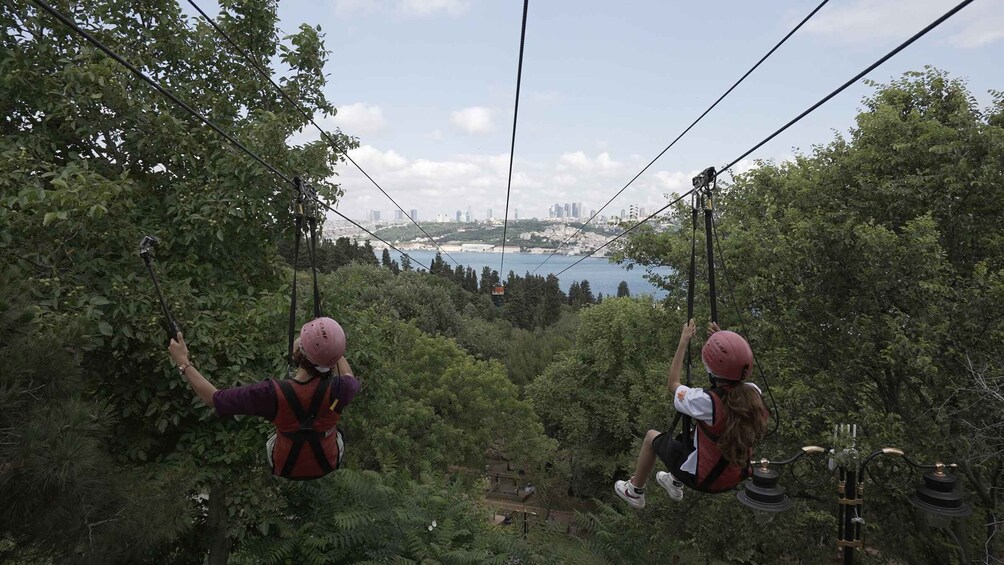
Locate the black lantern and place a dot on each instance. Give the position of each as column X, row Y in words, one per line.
column 939, row 498
column 762, row 494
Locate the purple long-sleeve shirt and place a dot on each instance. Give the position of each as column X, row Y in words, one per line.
column 259, row 399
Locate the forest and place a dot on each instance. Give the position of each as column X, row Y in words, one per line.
column 868, row 273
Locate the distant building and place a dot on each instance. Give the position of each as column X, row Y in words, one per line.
column 582, row 210
column 459, row 214
column 592, row 213
column 633, row 212
column 623, row 213
column 479, row 247
column 489, row 216
column 373, row 216
column 414, row 214
column 568, row 210
column 467, row 216
column 398, row 215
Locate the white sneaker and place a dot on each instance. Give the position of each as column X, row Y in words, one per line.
column 630, row 494
column 672, row 486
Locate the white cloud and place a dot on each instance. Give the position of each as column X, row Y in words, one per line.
column 360, row 119
column 428, row 7
column 436, row 135
column 578, row 161
column 473, row 120
column 877, row 20
column 478, row 181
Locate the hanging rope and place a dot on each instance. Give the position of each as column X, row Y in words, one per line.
column 512, row 146
column 298, row 223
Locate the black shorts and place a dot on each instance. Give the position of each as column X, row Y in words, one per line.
column 673, row 453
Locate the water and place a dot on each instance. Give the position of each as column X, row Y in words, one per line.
column 603, row 276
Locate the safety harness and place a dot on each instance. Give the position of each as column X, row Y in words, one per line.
column 315, row 427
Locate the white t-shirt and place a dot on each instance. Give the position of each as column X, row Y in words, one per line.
column 697, row 404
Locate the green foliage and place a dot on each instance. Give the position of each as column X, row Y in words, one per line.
column 868, row 272
column 604, row 392
column 330, row 255
column 64, row 497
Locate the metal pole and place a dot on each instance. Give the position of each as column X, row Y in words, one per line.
column 850, row 500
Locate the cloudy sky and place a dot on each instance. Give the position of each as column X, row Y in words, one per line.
column 428, row 85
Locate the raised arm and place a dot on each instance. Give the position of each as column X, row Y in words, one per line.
column 344, row 368
column 179, row 354
column 676, row 367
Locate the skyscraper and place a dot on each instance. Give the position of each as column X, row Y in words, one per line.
column 489, row 216
column 568, row 210
column 398, row 215
column 414, row 214
column 575, row 210
column 459, row 213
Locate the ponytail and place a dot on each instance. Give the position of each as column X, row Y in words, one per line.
column 746, row 425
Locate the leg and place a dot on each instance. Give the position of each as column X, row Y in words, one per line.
column 646, row 460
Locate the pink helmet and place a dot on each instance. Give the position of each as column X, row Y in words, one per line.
column 322, row 340
column 728, row 356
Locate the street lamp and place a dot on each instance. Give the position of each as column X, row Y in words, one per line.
column 937, row 496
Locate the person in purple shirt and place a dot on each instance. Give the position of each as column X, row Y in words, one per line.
column 305, row 409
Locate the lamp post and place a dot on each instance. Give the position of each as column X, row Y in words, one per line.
column 938, row 495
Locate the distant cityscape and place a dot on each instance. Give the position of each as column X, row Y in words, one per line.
column 557, row 211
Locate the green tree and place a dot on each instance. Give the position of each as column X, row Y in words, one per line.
column 622, row 290
column 869, row 271
column 91, row 159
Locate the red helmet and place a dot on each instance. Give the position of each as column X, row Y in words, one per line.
column 727, row 356
column 322, row 340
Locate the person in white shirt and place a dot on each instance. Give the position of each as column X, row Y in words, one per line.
column 731, row 418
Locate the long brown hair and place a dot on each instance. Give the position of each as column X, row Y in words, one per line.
column 746, row 425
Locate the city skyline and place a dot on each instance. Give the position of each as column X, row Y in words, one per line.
column 564, row 211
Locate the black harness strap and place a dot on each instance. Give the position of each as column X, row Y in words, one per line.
column 306, row 434
column 296, row 258
column 709, row 238
column 312, row 221
column 685, row 432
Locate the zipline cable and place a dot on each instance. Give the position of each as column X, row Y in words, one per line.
column 795, row 120
column 512, row 147
column 854, row 79
column 331, row 141
column 195, row 113
column 684, row 132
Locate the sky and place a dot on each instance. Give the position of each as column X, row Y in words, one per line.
column 427, row 87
